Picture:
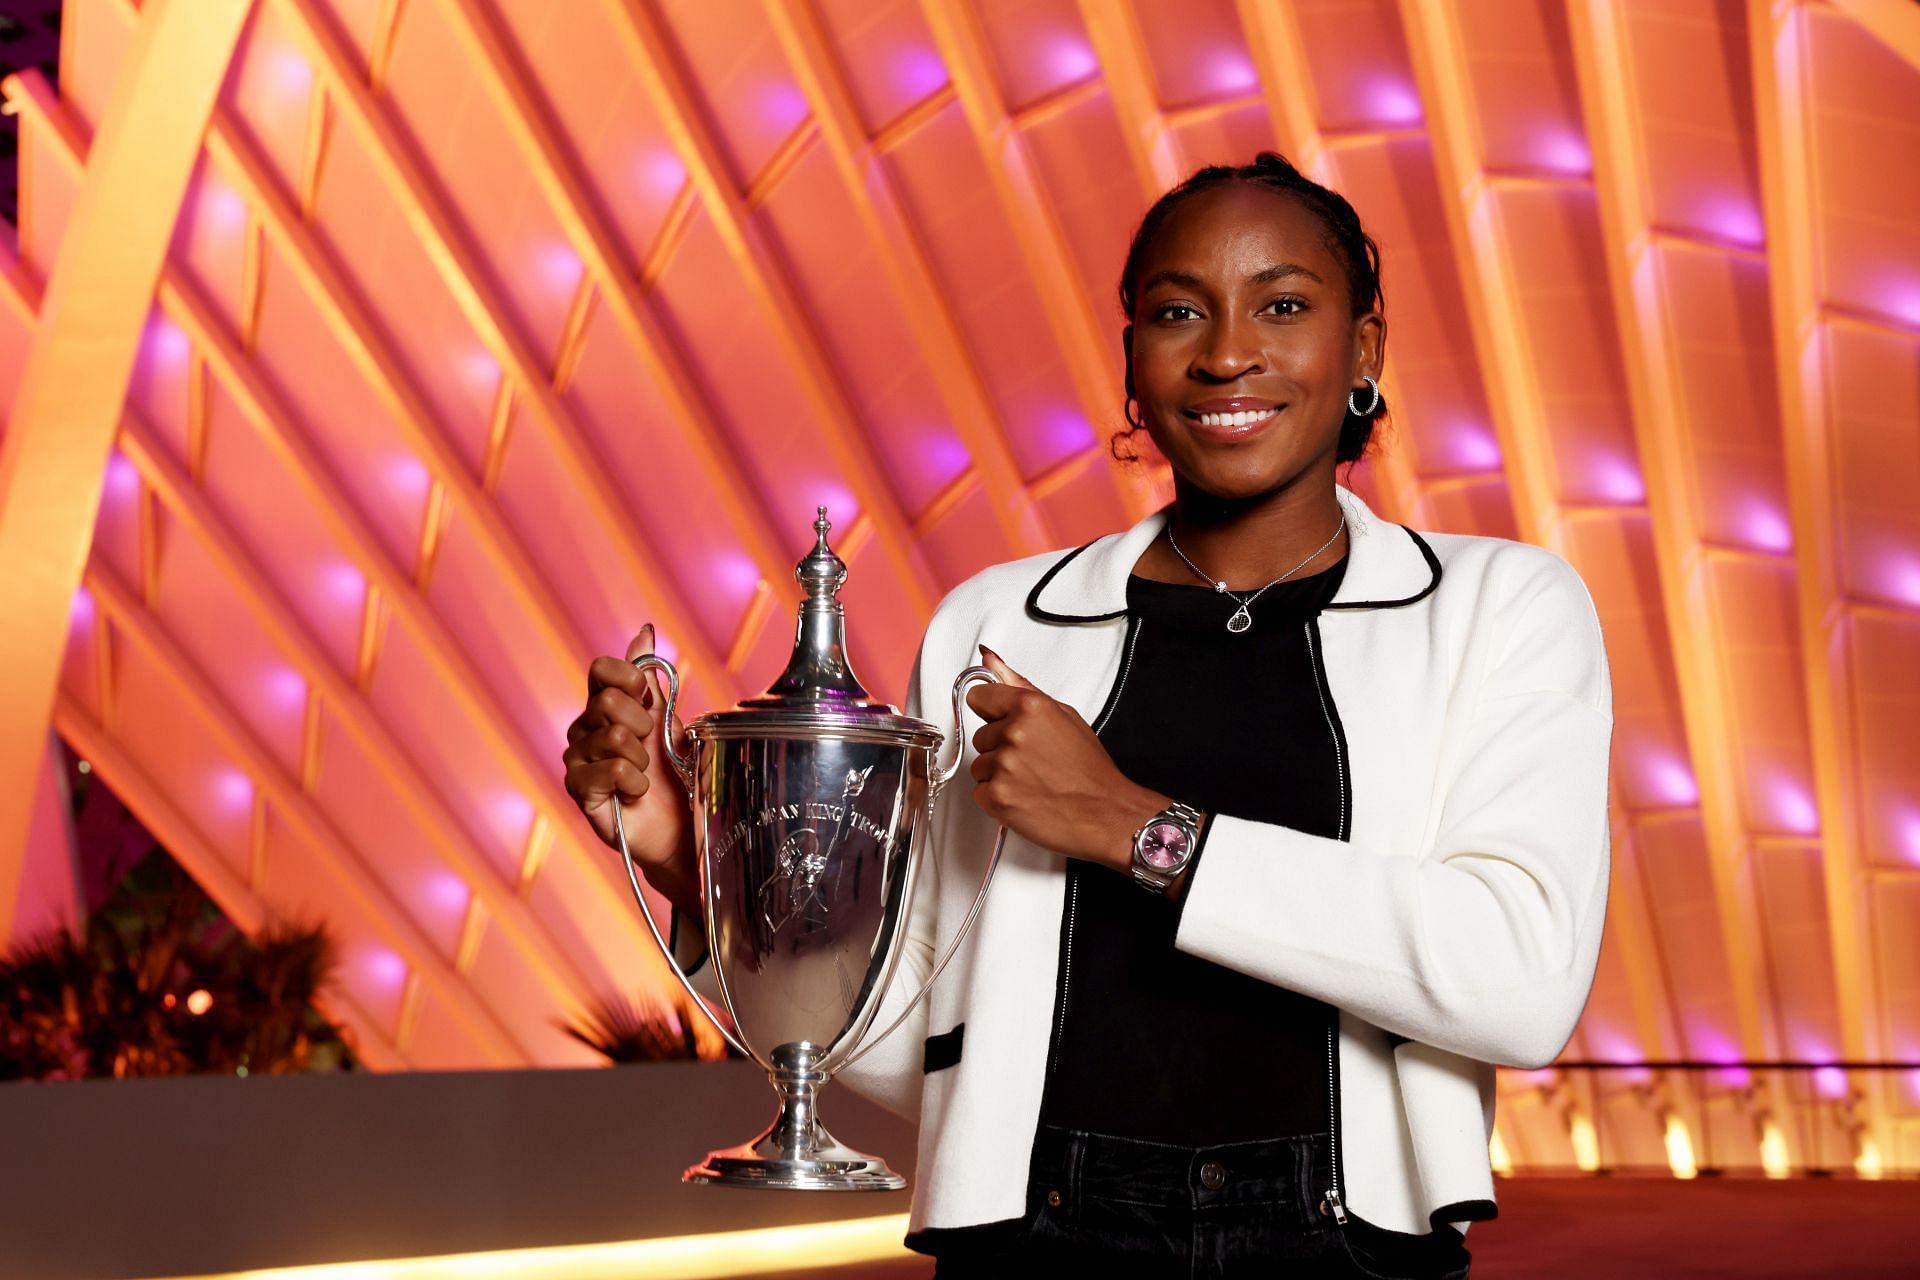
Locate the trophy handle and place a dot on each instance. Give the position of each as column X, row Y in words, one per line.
column 685, row 769
column 971, row 676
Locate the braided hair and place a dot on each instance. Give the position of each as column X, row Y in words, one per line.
column 1357, row 252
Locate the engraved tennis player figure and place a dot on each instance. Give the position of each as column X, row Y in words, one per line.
column 799, row 863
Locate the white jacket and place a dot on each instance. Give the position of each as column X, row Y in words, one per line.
column 1457, row 928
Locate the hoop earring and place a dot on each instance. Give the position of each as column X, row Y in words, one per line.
column 1367, row 412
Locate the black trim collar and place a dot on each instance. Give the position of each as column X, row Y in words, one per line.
column 1388, row 565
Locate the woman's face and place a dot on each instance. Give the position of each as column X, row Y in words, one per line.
column 1244, row 344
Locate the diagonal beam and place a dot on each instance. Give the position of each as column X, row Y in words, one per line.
column 278, row 619
column 460, row 267
column 569, row 194
column 356, row 881
column 1894, row 23
column 676, row 105
column 1273, row 39
column 261, row 408
column 182, row 839
column 1514, row 394
column 942, row 344
column 1094, row 370
column 1788, row 187
column 78, row 364
column 1121, row 49
column 1660, row 422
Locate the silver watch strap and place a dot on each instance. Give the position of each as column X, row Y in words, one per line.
column 1157, row 881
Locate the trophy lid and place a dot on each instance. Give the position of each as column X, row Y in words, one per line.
column 818, row 690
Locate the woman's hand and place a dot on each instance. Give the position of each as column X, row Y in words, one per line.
column 1042, row 771
column 615, row 753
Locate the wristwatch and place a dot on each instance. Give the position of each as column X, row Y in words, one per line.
column 1164, row 846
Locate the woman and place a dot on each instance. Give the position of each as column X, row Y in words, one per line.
column 1307, row 816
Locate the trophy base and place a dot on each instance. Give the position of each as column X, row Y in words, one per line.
column 845, row 1170
column 795, row 1152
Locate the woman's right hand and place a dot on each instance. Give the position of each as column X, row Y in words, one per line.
column 616, row 754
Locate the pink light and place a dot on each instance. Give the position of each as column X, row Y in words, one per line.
column 345, row 584
column 1900, row 296
column 291, row 72
column 946, row 453
column 80, row 611
column 1231, row 72
column 167, row 345
column 560, row 267
column 842, row 510
column 1618, row 480
column 448, row 891
column 1563, row 152
column 409, row 476
column 1070, row 59
column 1067, row 432
column 123, row 478
column 385, row 968
column 1391, row 101
column 919, row 72
column 1475, row 448
column 1734, row 220
column 1765, row 527
column 662, row 173
column 1906, row 824
column 286, row 688
column 1794, row 807
column 513, row 810
column 1712, row 1046
column 225, row 210
column 1673, row 781
column 784, row 105
column 480, row 370
column 735, row 571
column 1830, row 1082
column 1900, row 578
column 234, row 790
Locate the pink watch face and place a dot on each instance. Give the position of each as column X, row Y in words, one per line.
column 1164, row 846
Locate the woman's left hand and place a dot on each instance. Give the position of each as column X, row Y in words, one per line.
column 1042, row 772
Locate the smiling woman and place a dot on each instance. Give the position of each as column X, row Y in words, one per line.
column 1360, row 774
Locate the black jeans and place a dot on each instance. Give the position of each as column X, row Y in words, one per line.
column 1143, row 1209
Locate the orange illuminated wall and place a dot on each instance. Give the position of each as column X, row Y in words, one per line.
column 489, row 329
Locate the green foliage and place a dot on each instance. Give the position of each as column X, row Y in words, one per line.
column 118, row 998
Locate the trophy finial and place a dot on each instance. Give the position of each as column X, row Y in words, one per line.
column 818, row 671
column 821, row 573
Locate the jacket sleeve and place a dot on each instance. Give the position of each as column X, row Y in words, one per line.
column 1483, row 944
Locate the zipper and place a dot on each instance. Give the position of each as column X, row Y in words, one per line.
column 1073, row 878
column 1334, row 1163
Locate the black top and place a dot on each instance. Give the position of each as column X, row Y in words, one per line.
column 1153, row 1043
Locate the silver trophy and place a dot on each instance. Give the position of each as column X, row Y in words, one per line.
column 811, row 811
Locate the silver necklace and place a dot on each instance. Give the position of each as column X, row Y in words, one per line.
column 1242, row 619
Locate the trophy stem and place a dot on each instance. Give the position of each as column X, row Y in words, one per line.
column 796, row 1152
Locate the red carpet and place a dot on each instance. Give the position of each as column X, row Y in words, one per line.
column 1662, row 1229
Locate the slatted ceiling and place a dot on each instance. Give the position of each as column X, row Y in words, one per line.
column 886, row 52
column 1038, row 47
column 1867, row 233
column 1362, row 80
column 1694, row 96
column 1875, row 469
column 866, row 335
column 238, row 658
column 974, row 255
column 1696, row 292
column 457, row 379
column 1082, row 159
column 663, row 484
column 270, row 89
column 209, row 240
